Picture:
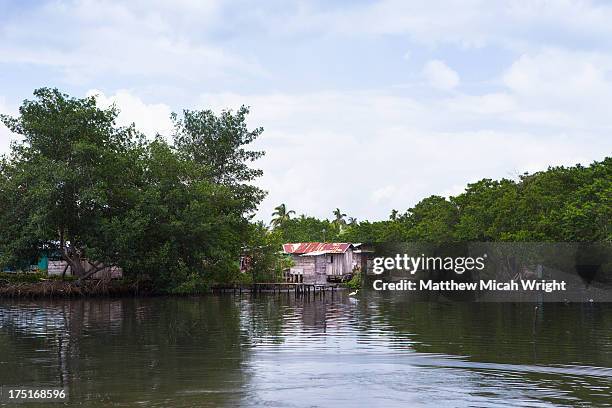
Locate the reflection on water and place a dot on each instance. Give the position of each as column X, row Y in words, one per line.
column 277, row 350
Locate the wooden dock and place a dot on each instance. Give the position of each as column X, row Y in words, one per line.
column 285, row 287
column 298, row 288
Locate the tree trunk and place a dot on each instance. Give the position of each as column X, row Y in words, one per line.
column 72, row 256
column 74, row 259
column 64, row 271
column 95, row 268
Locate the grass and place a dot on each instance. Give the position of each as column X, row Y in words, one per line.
column 21, row 277
column 355, row 282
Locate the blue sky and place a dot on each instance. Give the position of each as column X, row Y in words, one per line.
column 366, row 105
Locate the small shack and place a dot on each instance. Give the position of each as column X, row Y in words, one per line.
column 57, row 267
column 50, row 262
column 322, row 262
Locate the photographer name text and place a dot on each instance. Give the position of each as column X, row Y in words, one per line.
column 547, row 286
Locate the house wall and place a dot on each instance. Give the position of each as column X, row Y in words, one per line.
column 57, row 267
column 333, row 265
column 316, row 269
column 321, row 269
column 341, row 264
column 302, row 266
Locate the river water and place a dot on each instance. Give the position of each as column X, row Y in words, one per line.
column 282, row 351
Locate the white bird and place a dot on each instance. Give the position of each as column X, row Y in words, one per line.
column 354, row 293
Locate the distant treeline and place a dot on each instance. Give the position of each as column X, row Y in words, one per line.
column 177, row 210
column 561, row 204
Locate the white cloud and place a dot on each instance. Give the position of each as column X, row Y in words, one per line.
column 492, row 103
column 467, row 24
column 369, row 152
column 149, row 118
column 558, row 73
column 384, row 193
column 561, row 87
column 5, row 135
column 88, row 40
column 537, row 96
column 440, row 76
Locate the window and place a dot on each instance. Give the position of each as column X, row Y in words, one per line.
column 330, row 259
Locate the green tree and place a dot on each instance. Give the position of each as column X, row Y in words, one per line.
column 99, row 193
column 339, row 220
column 266, row 263
column 74, row 171
column 431, row 220
column 308, row 229
column 281, row 215
column 216, row 144
column 184, row 230
column 485, row 210
column 205, row 202
column 394, row 215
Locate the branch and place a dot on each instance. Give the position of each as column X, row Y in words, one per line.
column 64, row 271
column 97, row 267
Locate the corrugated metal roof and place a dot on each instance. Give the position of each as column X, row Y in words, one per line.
column 324, row 247
column 316, row 253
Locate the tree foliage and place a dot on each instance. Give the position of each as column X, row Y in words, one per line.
column 281, row 215
column 72, row 174
column 565, row 204
column 180, row 212
column 100, row 194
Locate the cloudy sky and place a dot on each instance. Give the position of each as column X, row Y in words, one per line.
column 366, row 105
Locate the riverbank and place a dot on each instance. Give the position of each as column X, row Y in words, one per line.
column 37, row 285
column 71, row 289
column 31, row 285
column 54, row 288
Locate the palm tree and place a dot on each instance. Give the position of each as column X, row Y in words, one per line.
column 281, row 215
column 352, row 221
column 339, row 220
column 393, row 216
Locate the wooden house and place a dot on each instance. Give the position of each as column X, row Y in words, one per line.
column 322, row 262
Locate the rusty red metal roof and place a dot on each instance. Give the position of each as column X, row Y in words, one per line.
column 306, row 247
